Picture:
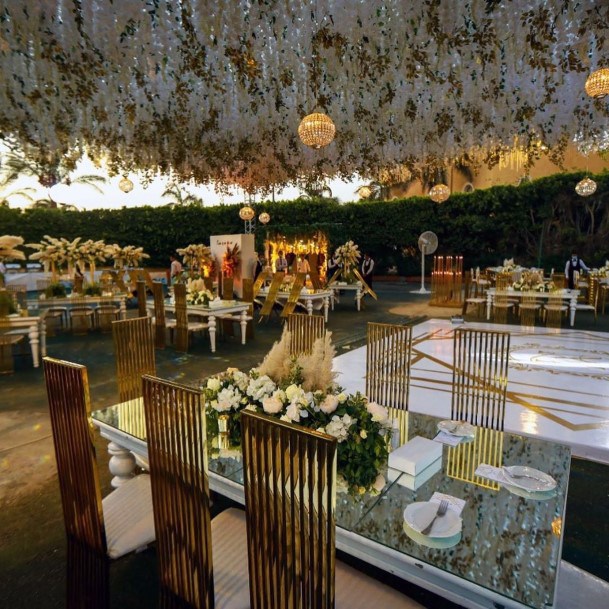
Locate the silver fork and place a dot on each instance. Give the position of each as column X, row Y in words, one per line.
column 441, row 511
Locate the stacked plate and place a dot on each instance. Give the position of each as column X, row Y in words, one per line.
column 445, row 531
column 528, row 482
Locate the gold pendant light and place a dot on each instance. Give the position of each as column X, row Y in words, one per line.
column 597, row 85
column 316, row 130
column 439, row 193
column 586, row 187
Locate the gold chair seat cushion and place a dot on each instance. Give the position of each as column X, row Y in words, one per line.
column 229, row 550
column 128, row 517
column 355, row 590
column 530, row 305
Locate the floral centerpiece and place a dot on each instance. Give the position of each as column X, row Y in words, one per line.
column 125, row 257
column 302, row 390
column 90, row 252
column 9, row 251
column 53, row 253
column 532, row 281
column 197, row 256
column 197, row 293
column 230, row 261
column 347, row 256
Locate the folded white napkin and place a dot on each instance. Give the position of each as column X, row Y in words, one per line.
column 455, row 504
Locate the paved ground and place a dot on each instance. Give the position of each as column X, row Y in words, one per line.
column 32, row 541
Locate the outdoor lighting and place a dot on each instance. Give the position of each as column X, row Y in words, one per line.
column 597, row 85
column 126, row 185
column 316, row 130
column 586, row 187
column 246, row 213
column 439, row 193
column 264, row 218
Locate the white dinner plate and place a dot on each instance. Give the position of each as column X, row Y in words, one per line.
column 417, row 516
column 528, row 478
column 462, row 429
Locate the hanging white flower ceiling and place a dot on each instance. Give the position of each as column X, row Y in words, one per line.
column 216, row 90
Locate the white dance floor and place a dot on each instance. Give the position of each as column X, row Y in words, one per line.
column 558, row 381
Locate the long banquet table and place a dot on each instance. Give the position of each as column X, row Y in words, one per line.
column 568, row 296
column 509, row 550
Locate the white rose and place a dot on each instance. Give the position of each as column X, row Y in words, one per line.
column 272, row 405
column 342, row 398
column 379, row 483
column 330, row 404
column 379, row 413
column 293, row 412
column 214, row 384
column 363, row 434
column 292, row 391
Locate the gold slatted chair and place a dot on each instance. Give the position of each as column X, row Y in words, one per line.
column 554, row 309
column 559, row 280
column 55, row 317
column 19, row 294
column 8, row 338
column 471, row 296
column 82, row 315
column 134, row 353
column 292, row 301
column 177, row 450
column 304, row 331
column 501, row 303
column 161, row 323
column 267, row 305
column 591, row 303
column 184, row 328
column 388, row 358
column 289, row 484
column 96, row 529
column 528, row 308
column 142, row 309
column 480, row 372
column 107, row 312
column 603, row 290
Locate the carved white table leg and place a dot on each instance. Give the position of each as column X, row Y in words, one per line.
column 358, row 299
column 122, row 464
column 326, row 307
column 212, row 332
column 43, row 336
column 489, row 304
column 34, row 334
column 123, row 308
column 572, row 309
column 243, row 324
column 309, row 306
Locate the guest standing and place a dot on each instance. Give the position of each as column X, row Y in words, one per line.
column 367, row 269
column 175, row 270
column 302, row 266
column 574, row 265
column 281, row 265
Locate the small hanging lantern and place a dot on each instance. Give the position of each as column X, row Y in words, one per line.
column 316, row 130
column 586, row 187
column 264, row 218
column 246, row 213
column 126, row 185
column 597, row 85
column 439, row 193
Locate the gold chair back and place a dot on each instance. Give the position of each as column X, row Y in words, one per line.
column 553, row 311
column 292, row 301
column 78, row 284
column 527, row 310
column 159, row 315
column 177, row 449
column 559, row 280
column 181, row 309
column 289, row 484
column 227, row 288
column 593, row 291
column 69, row 406
column 7, row 339
column 106, row 313
column 480, row 372
column 304, row 330
column 81, row 315
column 134, row 352
column 267, row 305
column 18, row 292
column 141, row 298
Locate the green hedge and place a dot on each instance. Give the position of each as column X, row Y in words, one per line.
column 537, row 224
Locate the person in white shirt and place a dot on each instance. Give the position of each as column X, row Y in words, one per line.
column 574, row 265
column 175, row 270
column 302, row 266
column 367, row 269
column 281, row 264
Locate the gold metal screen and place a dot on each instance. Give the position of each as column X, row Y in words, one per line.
column 262, row 277
column 175, row 428
column 447, row 281
column 304, row 330
column 463, row 459
column 159, row 315
column 480, row 373
column 289, row 480
column 134, row 352
column 68, row 396
column 292, row 300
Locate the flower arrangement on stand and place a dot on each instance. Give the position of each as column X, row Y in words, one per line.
column 230, row 261
column 197, row 257
column 9, row 251
column 347, row 256
column 197, row 293
column 90, row 252
column 126, row 257
column 302, row 390
column 532, row 281
column 53, row 253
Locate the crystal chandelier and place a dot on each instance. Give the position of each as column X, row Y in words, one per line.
column 316, row 130
column 126, row 185
column 264, row 218
column 439, row 193
column 586, row 187
column 597, row 85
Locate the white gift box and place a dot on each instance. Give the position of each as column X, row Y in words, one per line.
column 414, row 456
column 415, row 482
